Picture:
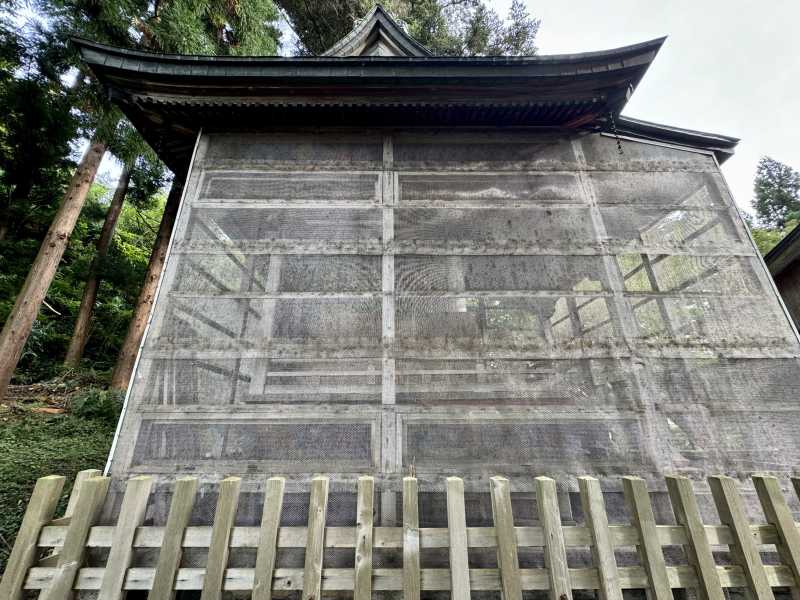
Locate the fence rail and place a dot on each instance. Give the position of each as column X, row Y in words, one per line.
column 68, row 538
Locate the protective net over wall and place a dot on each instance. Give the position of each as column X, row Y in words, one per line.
column 463, row 303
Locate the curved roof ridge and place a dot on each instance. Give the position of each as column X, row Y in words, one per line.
column 377, row 23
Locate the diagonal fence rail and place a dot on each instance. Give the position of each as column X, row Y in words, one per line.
column 50, row 556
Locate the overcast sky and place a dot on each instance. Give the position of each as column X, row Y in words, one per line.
column 728, row 66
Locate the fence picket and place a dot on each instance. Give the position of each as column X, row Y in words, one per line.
column 40, row 510
column 64, row 572
column 698, row 550
column 317, row 513
column 218, row 548
column 507, row 556
column 268, row 538
column 411, row 570
column 649, row 545
column 744, row 550
column 457, row 529
column 778, row 514
column 87, row 508
column 80, row 478
column 555, row 553
column 594, row 510
column 131, row 515
column 362, row 586
column 169, row 557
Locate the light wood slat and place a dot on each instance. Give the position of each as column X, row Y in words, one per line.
column 131, row 515
column 218, row 549
column 457, row 528
column 392, row 537
column 391, row 579
column 744, row 550
column 594, row 510
column 507, row 558
column 267, row 546
column 555, row 554
column 648, row 543
column 411, row 544
column 80, row 478
column 169, row 557
column 363, row 560
column 90, row 502
column 41, row 507
column 698, row 550
column 779, row 515
column 317, row 514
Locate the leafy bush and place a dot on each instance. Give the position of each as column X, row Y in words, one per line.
column 94, row 403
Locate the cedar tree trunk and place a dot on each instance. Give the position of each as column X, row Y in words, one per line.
column 82, row 324
column 19, row 323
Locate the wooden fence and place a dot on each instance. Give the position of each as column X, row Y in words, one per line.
column 69, row 537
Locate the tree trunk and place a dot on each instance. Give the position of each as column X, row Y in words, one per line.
column 141, row 314
column 82, row 324
column 19, row 323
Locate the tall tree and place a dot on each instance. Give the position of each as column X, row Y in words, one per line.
column 218, row 26
column 446, row 27
column 777, row 193
column 141, row 177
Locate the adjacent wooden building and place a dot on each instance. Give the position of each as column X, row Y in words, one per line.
column 388, row 261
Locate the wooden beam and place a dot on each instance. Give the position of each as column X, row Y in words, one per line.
column 457, row 529
column 40, row 511
column 555, row 554
column 507, row 557
column 224, row 515
column 268, row 538
column 169, row 557
column 317, row 514
column 594, row 510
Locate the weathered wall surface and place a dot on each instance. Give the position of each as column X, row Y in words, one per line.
column 470, row 303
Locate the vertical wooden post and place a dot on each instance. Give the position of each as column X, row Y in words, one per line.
column 744, row 550
column 594, row 509
column 698, row 550
column 411, row 574
column 169, row 556
column 40, row 510
column 507, row 557
column 70, row 558
column 457, row 528
column 778, row 515
column 555, row 553
column 315, row 545
column 649, row 546
column 219, row 546
column 80, row 478
column 268, row 538
column 131, row 515
column 362, row 586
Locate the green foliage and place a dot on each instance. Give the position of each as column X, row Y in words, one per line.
column 95, row 403
column 38, row 445
column 445, row 27
column 122, row 274
column 767, row 238
column 777, row 193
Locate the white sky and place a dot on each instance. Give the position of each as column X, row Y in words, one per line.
column 728, row 66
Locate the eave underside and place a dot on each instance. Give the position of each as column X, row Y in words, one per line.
column 170, row 98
